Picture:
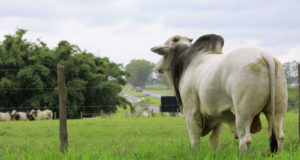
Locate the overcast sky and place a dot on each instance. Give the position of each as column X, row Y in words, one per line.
column 126, row 29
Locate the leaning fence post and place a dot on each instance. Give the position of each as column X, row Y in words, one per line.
column 299, row 102
column 62, row 109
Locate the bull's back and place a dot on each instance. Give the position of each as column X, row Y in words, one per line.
column 231, row 76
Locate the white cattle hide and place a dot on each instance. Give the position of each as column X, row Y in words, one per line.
column 42, row 115
column 145, row 114
column 5, row 116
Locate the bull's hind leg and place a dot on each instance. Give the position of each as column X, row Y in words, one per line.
column 278, row 123
column 278, row 129
column 215, row 136
column 243, row 123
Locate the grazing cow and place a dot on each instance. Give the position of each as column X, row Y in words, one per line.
column 145, row 114
column 212, row 88
column 41, row 115
column 5, row 116
column 22, row 116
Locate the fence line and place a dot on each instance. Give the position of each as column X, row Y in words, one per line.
column 56, row 107
column 45, row 69
column 74, row 88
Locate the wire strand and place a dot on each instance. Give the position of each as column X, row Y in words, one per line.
column 70, row 88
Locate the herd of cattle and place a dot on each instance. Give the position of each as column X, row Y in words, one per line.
column 26, row 116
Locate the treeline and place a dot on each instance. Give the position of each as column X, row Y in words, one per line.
column 28, row 77
column 291, row 72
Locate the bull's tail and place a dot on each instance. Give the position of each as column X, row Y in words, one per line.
column 271, row 65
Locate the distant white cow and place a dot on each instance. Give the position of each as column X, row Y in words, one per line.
column 212, row 88
column 145, row 114
column 22, row 116
column 5, row 116
column 42, row 115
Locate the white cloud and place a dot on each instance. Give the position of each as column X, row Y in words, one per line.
column 124, row 30
column 292, row 55
column 122, row 4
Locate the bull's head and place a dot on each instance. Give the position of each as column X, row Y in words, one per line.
column 172, row 45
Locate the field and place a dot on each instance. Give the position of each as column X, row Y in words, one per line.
column 160, row 89
column 148, row 99
column 131, row 138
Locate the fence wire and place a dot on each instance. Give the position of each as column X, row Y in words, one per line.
column 68, row 88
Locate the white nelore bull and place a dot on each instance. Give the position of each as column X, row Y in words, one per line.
column 212, row 88
column 42, row 115
column 5, row 116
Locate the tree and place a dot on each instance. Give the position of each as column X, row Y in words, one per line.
column 139, row 70
column 163, row 80
column 291, row 72
column 28, row 77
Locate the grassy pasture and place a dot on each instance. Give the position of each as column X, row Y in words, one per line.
column 132, row 138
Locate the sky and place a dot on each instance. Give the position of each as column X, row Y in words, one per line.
column 126, row 29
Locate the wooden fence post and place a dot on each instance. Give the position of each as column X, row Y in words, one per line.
column 62, row 109
column 299, row 103
column 81, row 115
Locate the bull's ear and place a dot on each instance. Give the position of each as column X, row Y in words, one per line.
column 162, row 50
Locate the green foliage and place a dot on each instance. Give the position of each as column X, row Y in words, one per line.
column 162, row 79
column 28, row 77
column 291, row 72
column 293, row 98
column 140, row 70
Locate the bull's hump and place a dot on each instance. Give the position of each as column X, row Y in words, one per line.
column 209, row 42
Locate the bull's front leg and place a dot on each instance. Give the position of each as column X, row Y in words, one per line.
column 194, row 129
column 215, row 136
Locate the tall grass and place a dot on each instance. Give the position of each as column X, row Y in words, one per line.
column 132, row 138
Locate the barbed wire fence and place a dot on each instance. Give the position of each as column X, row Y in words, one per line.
column 64, row 141
column 61, row 109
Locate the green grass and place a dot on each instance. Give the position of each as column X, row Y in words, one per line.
column 131, row 138
column 160, row 89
